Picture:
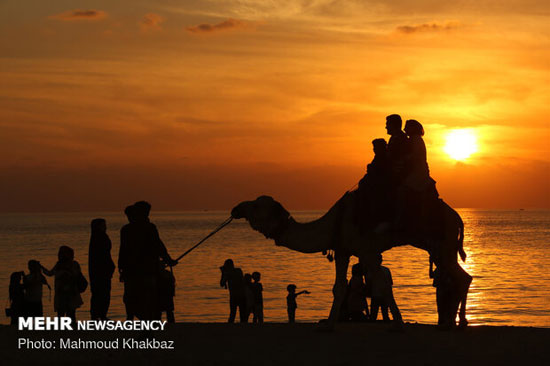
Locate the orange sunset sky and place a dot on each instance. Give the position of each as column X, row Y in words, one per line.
column 201, row 104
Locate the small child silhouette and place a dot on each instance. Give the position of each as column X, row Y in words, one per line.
column 257, row 289
column 166, row 291
column 291, row 301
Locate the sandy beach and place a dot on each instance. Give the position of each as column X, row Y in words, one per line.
column 298, row 344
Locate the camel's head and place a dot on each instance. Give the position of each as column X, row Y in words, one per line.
column 264, row 215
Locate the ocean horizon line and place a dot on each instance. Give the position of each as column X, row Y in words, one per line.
column 198, row 211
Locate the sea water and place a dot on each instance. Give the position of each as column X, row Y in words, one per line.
column 508, row 252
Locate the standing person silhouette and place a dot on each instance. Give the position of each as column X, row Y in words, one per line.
column 100, row 269
column 357, row 295
column 232, row 278
column 167, row 291
column 67, row 272
column 130, row 212
column 138, row 262
column 443, row 283
column 258, row 289
column 17, row 297
column 33, row 283
column 291, row 304
column 382, row 294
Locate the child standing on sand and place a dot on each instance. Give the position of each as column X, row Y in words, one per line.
column 258, row 289
column 166, row 292
column 291, row 301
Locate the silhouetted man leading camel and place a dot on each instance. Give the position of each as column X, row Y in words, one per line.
column 140, row 252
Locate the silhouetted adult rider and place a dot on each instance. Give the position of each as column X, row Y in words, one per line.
column 398, row 148
column 140, row 252
column 418, row 176
column 398, row 154
column 418, row 188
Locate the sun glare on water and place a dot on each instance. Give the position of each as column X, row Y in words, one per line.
column 460, row 144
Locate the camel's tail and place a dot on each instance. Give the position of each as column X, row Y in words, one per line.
column 461, row 238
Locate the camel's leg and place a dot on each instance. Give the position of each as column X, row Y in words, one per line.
column 339, row 288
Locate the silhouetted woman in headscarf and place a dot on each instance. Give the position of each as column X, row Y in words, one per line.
column 418, row 175
column 67, row 274
column 101, row 268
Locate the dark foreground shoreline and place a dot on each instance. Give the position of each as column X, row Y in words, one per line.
column 297, row 344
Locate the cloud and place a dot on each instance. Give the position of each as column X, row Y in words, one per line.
column 151, row 21
column 429, row 27
column 78, row 14
column 229, row 24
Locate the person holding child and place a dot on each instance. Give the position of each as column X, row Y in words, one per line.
column 33, row 283
column 232, row 279
column 67, row 274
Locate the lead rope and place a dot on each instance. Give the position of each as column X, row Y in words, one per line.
column 222, row 225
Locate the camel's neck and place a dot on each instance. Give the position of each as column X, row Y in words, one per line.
column 311, row 237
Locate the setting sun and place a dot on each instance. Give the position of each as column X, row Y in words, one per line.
column 460, row 144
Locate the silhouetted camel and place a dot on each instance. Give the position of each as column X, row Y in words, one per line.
column 339, row 231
